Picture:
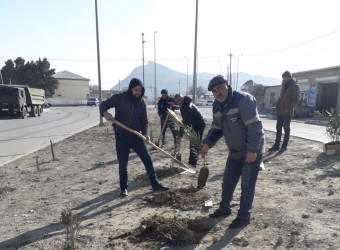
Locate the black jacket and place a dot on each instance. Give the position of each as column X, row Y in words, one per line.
column 190, row 114
column 164, row 105
column 132, row 114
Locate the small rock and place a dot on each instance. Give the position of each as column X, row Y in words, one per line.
column 245, row 242
column 319, row 210
column 292, row 239
column 279, row 240
column 31, row 212
column 305, row 216
column 304, row 182
column 331, row 192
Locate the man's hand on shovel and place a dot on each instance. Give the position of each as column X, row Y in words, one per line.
column 108, row 116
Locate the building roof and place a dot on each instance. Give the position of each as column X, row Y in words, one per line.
column 69, row 76
column 315, row 70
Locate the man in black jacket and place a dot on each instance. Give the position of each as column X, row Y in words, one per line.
column 130, row 110
column 166, row 102
column 193, row 118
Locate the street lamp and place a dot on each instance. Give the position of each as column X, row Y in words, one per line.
column 195, row 57
column 187, row 74
column 98, row 62
column 154, row 43
column 238, row 61
column 230, row 70
column 143, row 54
column 220, row 66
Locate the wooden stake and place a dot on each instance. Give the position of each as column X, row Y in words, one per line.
column 52, row 150
column 37, row 162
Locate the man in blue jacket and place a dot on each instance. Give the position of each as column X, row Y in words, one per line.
column 130, row 110
column 166, row 102
column 236, row 118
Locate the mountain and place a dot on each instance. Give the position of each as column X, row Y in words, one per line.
column 176, row 82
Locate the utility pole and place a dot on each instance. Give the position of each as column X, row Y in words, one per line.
column 154, row 43
column 230, row 69
column 143, row 54
column 195, row 58
column 187, row 75
column 98, row 62
column 2, row 81
column 238, row 62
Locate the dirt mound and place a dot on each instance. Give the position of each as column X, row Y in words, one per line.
column 159, row 231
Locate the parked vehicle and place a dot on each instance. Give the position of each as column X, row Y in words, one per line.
column 21, row 100
column 303, row 110
column 201, row 103
column 300, row 110
column 209, row 103
column 93, row 102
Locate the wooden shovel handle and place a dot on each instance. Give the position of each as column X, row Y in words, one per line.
column 187, row 168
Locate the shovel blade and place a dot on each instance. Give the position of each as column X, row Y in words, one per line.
column 202, row 177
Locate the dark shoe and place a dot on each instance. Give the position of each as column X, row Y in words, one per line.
column 192, row 165
column 219, row 213
column 160, row 187
column 274, row 148
column 283, row 149
column 239, row 223
column 124, row 193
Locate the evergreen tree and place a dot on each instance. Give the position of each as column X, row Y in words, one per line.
column 36, row 74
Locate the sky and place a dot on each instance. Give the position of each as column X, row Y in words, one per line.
column 264, row 37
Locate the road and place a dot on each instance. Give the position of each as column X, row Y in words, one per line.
column 19, row 137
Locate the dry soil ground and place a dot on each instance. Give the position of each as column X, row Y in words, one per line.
column 297, row 202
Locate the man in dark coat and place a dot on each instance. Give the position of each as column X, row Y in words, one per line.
column 289, row 97
column 166, row 102
column 130, row 110
column 193, row 118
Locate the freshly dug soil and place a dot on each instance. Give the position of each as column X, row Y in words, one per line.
column 296, row 206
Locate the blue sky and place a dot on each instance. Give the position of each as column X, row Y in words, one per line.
column 266, row 37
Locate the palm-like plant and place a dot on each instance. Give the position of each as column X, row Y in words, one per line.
column 189, row 133
column 333, row 127
column 194, row 139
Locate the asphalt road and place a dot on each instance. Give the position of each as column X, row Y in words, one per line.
column 19, row 137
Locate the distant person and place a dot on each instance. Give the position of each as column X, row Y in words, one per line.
column 166, row 102
column 130, row 110
column 289, row 97
column 235, row 117
column 192, row 117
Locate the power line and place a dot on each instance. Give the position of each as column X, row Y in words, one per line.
column 175, row 59
column 294, row 46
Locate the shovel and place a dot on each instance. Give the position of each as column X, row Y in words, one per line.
column 182, row 165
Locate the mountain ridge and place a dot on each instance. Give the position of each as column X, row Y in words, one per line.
column 177, row 82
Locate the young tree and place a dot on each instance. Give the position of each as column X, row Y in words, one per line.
column 200, row 90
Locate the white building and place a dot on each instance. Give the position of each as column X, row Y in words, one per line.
column 73, row 89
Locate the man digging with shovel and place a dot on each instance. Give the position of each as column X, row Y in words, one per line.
column 130, row 110
column 236, row 118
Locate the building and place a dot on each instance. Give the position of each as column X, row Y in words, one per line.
column 73, row 89
column 319, row 88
